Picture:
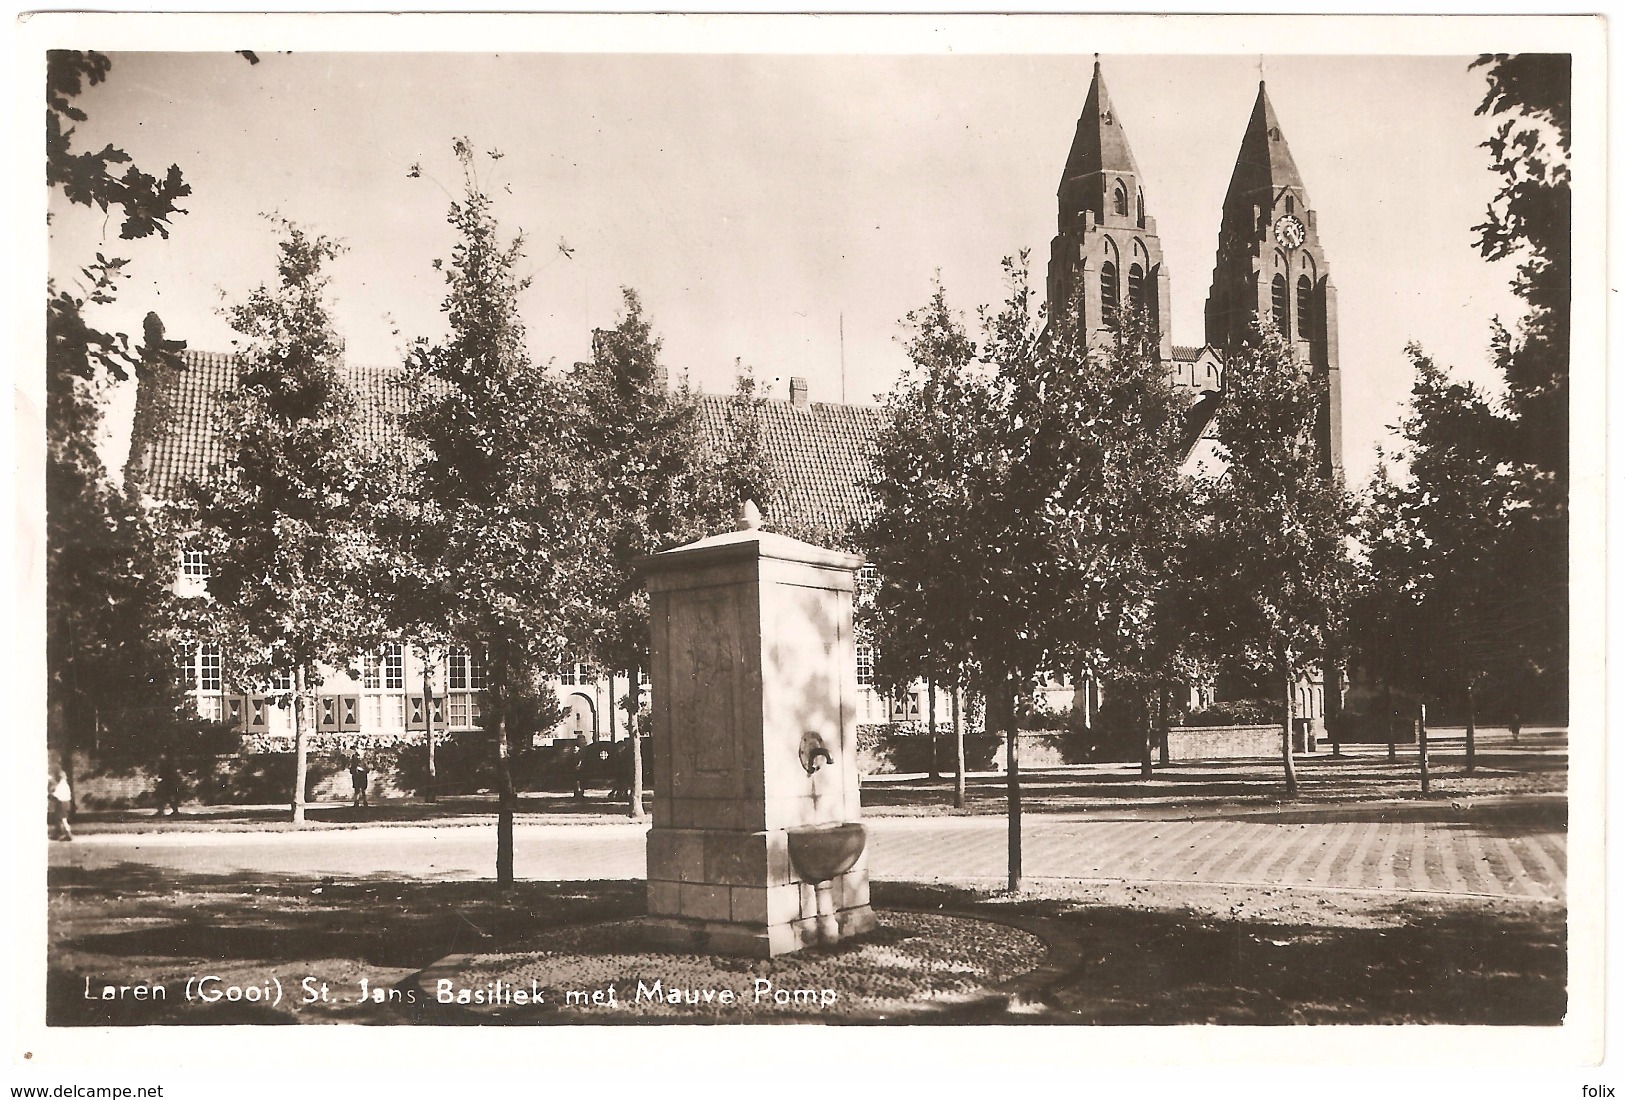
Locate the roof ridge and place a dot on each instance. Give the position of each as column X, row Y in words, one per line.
column 821, row 455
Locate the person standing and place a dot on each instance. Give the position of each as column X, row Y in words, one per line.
column 169, row 786
column 61, row 805
column 359, row 776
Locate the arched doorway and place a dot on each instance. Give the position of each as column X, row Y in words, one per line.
column 581, row 718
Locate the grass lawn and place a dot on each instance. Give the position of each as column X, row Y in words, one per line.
column 1124, row 953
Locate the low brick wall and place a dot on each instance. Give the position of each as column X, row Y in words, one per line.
column 1223, row 742
column 881, row 753
column 397, row 768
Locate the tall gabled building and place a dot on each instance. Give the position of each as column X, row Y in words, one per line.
column 1270, row 266
column 1106, row 254
column 1107, row 257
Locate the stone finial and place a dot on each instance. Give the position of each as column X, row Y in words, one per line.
column 750, row 516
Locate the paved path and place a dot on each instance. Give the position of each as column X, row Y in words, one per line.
column 1488, row 853
column 1448, row 857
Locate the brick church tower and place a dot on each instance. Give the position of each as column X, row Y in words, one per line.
column 1271, row 268
column 1106, row 246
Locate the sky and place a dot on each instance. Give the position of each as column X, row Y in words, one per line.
column 785, row 212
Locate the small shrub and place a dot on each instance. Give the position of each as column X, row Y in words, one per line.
column 1237, row 712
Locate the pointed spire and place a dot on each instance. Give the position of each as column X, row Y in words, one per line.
column 1265, row 163
column 1100, row 144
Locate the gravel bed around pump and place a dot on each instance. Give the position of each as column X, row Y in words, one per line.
column 914, row 962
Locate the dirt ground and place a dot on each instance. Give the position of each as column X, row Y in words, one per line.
column 1121, row 953
column 278, row 948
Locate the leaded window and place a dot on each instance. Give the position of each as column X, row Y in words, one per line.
column 465, row 671
column 208, row 668
column 1136, row 288
column 195, row 564
column 866, row 665
column 1108, row 288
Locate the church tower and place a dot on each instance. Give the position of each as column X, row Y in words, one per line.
column 1271, row 269
column 1106, row 247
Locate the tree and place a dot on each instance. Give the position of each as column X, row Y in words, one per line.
column 1467, row 551
column 279, row 519
column 1385, row 622
column 915, row 616
column 408, row 594
column 110, row 571
column 1433, row 546
column 747, row 471
column 109, row 567
column 88, row 179
column 655, row 485
column 1129, row 509
column 501, row 540
column 956, row 567
column 1271, row 540
column 1530, row 220
column 1030, row 503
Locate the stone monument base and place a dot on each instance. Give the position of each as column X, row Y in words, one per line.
column 718, row 891
column 711, row 937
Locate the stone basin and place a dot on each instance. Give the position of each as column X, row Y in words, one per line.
column 820, row 852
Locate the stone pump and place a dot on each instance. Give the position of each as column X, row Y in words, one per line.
column 756, row 846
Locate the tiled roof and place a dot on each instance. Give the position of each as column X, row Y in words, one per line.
column 1187, row 353
column 820, row 454
column 1198, row 418
column 175, row 412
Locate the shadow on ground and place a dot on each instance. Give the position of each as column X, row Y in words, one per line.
column 1403, row 962
column 1327, row 784
column 1143, row 957
column 473, row 808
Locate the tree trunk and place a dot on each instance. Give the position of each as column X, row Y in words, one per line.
column 1471, row 748
column 1518, row 702
column 1288, row 683
column 428, row 726
column 931, row 724
column 959, row 753
column 1162, row 725
column 1147, row 735
column 1519, row 697
column 1334, row 705
column 69, row 744
column 301, row 762
column 611, row 708
column 634, row 798
column 1012, row 788
column 67, row 761
column 1388, row 697
column 1422, row 744
column 506, row 796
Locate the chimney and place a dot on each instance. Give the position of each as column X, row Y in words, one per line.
column 798, row 393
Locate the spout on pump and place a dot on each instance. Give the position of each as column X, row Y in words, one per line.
column 814, row 752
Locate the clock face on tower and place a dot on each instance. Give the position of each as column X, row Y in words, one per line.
column 1289, row 231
